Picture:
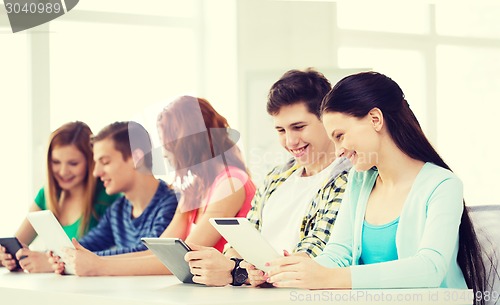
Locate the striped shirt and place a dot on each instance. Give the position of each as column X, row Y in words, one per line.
column 322, row 211
column 118, row 233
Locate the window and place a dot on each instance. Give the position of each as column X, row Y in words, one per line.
column 468, row 20
column 171, row 8
column 159, row 62
column 445, row 56
column 102, row 62
column 467, row 112
column 15, row 130
column 384, row 16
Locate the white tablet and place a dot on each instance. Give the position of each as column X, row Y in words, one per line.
column 51, row 233
column 247, row 240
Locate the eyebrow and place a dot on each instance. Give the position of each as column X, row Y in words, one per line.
column 70, row 160
column 292, row 125
column 102, row 157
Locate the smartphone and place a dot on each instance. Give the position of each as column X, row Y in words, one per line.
column 12, row 245
column 171, row 251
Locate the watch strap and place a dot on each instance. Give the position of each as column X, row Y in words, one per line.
column 237, row 272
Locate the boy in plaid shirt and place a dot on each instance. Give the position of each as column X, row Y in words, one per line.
column 296, row 207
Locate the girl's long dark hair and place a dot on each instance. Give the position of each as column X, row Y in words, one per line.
column 356, row 95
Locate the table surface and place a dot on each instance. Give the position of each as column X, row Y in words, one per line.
column 22, row 288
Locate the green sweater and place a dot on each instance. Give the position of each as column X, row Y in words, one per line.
column 101, row 202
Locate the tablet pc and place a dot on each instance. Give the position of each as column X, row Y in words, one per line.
column 12, row 245
column 247, row 240
column 171, row 251
column 52, row 234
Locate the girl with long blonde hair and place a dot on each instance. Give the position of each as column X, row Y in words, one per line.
column 71, row 192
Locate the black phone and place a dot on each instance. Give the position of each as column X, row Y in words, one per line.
column 12, row 245
column 171, row 253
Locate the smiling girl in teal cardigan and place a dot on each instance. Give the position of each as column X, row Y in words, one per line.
column 402, row 222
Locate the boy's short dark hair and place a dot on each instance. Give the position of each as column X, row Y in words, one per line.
column 128, row 136
column 295, row 86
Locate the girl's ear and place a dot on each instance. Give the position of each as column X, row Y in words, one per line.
column 376, row 118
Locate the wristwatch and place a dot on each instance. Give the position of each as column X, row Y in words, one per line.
column 239, row 274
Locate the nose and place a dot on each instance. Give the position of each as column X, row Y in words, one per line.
column 343, row 152
column 64, row 170
column 97, row 170
column 292, row 139
column 339, row 151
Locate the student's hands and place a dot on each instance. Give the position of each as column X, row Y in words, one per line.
column 209, row 266
column 256, row 276
column 6, row 260
column 33, row 261
column 83, row 261
column 55, row 263
column 301, row 271
column 30, row 261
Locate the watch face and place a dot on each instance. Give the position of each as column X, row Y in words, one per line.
column 240, row 275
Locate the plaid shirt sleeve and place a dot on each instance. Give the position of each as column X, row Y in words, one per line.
column 317, row 227
column 253, row 214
